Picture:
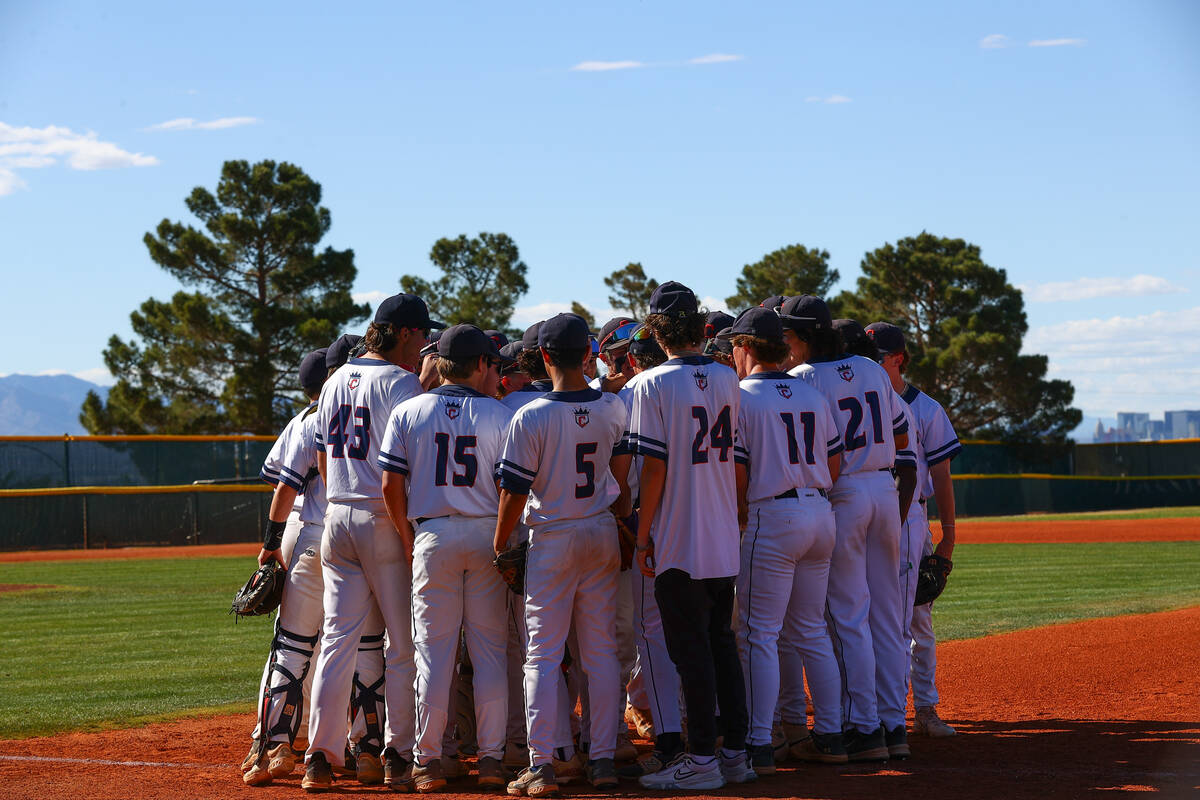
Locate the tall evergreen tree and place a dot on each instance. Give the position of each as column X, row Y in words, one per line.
column 222, row 357
column 631, row 290
column 482, row 280
column 788, row 271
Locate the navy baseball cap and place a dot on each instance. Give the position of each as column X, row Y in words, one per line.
column 529, row 340
column 339, row 352
column 806, row 311
column 887, row 337
column 758, row 321
column 773, row 302
column 462, row 342
column 431, row 346
column 850, row 329
column 715, row 322
column 565, row 332
column 313, row 369
column 612, row 325
column 497, row 337
column 509, row 354
column 406, row 311
column 673, row 299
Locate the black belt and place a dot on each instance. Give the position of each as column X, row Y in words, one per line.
column 423, row 520
column 792, row 494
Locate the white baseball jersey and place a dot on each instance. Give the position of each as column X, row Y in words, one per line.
column 786, row 435
column 685, row 412
column 526, row 394
column 635, row 466
column 912, row 455
column 934, row 431
column 868, row 411
column 270, row 467
column 447, row 444
column 298, row 468
column 352, row 415
column 557, row 451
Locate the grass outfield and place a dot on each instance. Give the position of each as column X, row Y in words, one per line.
column 1175, row 512
column 125, row 642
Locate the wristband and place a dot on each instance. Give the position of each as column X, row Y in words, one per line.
column 273, row 538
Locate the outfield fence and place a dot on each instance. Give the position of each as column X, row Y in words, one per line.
column 117, row 491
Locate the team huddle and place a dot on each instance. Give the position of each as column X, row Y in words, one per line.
column 720, row 537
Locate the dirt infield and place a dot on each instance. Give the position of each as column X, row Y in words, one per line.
column 1184, row 529
column 1106, row 705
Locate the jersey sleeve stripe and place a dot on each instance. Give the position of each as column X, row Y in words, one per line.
column 901, row 428
column 514, row 483
column 641, row 439
column 937, row 451
column 270, row 476
column 516, row 469
column 293, row 482
column 285, row 473
column 943, row 456
column 907, row 457
column 386, row 467
column 394, row 460
column 833, row 451
column 644, row 449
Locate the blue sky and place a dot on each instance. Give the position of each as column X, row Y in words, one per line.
column 693, row 137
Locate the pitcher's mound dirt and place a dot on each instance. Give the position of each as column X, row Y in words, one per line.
column 1089, row 709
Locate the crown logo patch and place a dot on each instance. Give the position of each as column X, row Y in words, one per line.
column 784, row 390
column 452, row 409
column 846, row 371
column 355, row 377
column 701, row 378
column 582, row 416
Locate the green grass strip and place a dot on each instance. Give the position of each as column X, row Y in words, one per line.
column 126, row 642
column 1174, row 512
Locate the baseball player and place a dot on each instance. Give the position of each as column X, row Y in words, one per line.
column 555, row 471
column 511, row 377
column 937, row 444
column 530, row 362
column 438, row 456
column 787, row 460
column 291, row 522
column 684, row 424
column 366, row 570
column 865, row 613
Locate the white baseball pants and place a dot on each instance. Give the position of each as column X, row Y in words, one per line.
column 660, row 679
column 923, row 663
column 455, row 587
column 781, row 586
column 865, row 619
column 571, row 577
column 366, row 577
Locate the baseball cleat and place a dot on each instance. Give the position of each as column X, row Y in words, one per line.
column 491, row 772
column 928, row 723
column 822, row 748
column 397, row 771
column 568, row 771
column 625, row 750
column 516, row 755
column 647, row 765
column 317, row 775
column 602, row 773
column 897, row 743
column 257, row 747
column 641, row 720
column 686, row 772
column 536, row 781
column 368, row 769
column 735, row 766
column 428, row 777
column 794, row 737
column 762, row 759
column 865, row 746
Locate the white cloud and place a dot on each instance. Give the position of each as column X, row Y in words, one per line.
column 36, row 148
column 374, row 297
column 605, row 66
column 710, row 303
column 190, row 124
column 1090, row 288
column 98, row 375
column 994, row 41
column 833, row 99
column 715, row 58
column 1145, row 363
column 1057, row 43
column 524, row 316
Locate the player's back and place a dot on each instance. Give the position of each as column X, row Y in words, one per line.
column 271, row 464
column 786, row 435
column 352, row 415
column 447, row 443
column 526, row 394
column 298, row 467
column 557, row 449
column 864, row 405
column 938, row 440
column 685, row 412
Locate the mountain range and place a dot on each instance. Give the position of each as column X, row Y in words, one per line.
column 43, row 405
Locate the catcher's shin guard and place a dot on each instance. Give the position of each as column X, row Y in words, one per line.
column 366, row 700
column 283, row 699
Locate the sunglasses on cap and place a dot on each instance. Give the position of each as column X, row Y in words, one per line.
column 618, row 335
column 642, row 333
column 595, row 345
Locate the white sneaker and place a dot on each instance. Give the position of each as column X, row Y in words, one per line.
column 735, row 766
column 686, row 772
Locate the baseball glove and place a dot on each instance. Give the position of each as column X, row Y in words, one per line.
column 931, row 578
column 262, row 593
column 511, row 566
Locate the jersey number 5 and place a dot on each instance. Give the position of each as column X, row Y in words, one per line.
column 350, row 432
column 585, row 468
column 462, row 456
